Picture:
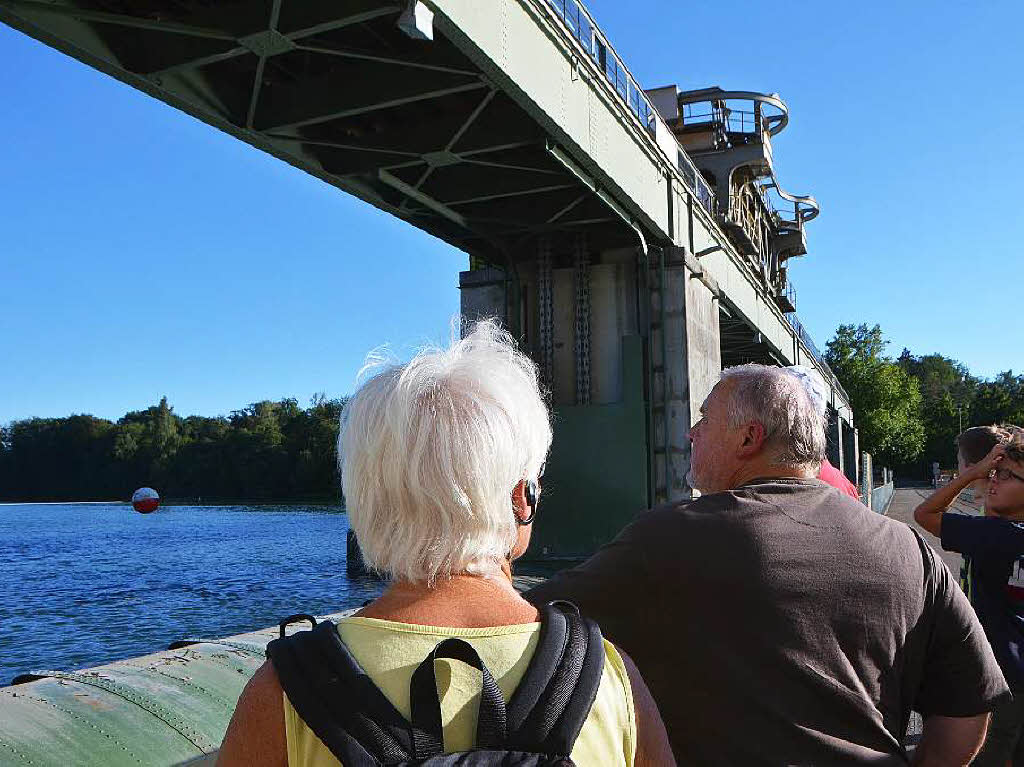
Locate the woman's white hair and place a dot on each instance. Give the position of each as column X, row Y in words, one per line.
column 431, row 451
column 793, row 423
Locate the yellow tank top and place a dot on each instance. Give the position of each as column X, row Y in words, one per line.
column 389, row 652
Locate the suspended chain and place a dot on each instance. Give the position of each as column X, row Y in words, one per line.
column 661, row 462
column 582, row 279
column 545, row 306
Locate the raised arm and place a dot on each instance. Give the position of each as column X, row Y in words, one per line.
column 929, row 512
column 950, row 740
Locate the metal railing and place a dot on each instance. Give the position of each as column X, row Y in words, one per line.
column 769, row 113
column 790, row 293
column 584, row 30
column 804, row 336
column 733, row 120
column 805, row 208
column 786, row 220
column 701, row 189
column 750, row 211
column 581, row 26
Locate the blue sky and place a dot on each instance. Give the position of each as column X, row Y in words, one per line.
column 145, row 254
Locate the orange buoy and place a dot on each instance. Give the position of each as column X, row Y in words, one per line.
column 145, row 500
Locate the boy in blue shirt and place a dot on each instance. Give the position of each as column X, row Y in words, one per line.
column 972, row 446
column 995, row 545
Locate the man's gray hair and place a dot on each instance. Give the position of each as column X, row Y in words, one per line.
column 793, row 425
column 431, row 451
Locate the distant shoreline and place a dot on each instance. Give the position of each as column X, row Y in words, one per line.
column 58, row 503
column 191, row 502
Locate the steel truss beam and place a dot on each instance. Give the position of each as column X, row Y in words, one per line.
column 192, row 31
column 119, row 19
column 367, row 108
column 213, row 58
column 508, row 166
column 348, row 21
column 498, row 148
column 347, row 53
column 458, row 134
column 257, row 81
column 339, row 145
column 468, row 153
column 567, row 208
column 409, row 191
column 521, row 193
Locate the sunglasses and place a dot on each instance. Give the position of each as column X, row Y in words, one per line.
column 1005, row 474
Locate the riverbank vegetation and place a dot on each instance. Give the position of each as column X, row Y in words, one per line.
column 266, row 451
column 909, row 409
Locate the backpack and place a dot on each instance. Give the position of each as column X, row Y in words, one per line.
column 353, row 718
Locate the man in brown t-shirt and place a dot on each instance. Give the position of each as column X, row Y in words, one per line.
column 777, row 621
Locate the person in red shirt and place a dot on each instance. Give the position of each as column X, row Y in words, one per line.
column 837, row 479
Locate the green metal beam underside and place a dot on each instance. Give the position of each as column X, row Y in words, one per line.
column 409, row 191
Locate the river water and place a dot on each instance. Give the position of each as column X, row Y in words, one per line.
column 85, row 584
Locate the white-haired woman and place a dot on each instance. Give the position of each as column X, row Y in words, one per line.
column 441, row 460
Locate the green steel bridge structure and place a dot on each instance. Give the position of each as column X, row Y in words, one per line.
column 635, row 241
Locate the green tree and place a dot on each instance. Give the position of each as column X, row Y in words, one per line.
column 6, row 474
column 266, row 450
column 200, row 465
column 144, row 445
column 55, row 458
column 999, row 401
column 886, row 400
column 948, row 391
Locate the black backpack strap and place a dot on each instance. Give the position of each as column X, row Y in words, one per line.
column 551, row 703
column 345, row 709
column 426, row 708
column 337, row 699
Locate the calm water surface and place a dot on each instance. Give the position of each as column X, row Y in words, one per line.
column 84, row 584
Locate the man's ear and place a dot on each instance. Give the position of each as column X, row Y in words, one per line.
column 753, row 440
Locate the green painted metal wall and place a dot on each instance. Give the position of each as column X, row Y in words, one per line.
column 597, row 469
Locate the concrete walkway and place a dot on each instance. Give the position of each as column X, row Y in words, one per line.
column 901, row 508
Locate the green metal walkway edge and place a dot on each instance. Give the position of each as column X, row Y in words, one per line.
column 168, row 708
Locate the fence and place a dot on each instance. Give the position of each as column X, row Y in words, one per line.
column 584, row 30
column 876, row 485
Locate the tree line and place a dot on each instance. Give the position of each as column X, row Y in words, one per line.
column 909, row 410
column 266, row 451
